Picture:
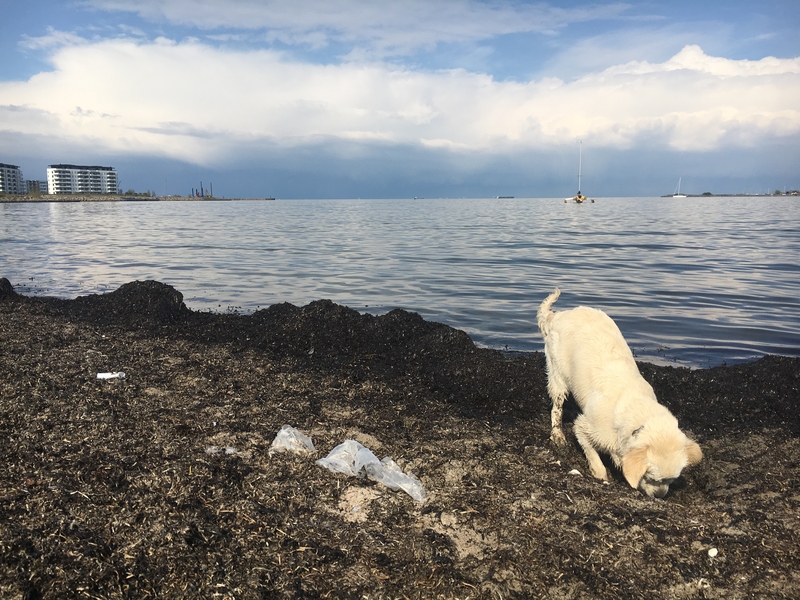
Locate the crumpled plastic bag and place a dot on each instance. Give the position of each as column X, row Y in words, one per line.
column 389, row 474
column 350, row 458
column 292, row 440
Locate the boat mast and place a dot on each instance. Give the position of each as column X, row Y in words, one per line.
column 580, row 157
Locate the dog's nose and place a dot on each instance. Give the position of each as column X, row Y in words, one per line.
column 660, row 492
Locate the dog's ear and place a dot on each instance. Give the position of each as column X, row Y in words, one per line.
column 634, row 465
column 693, row 452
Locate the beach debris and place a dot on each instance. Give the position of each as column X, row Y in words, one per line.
column 574, row 472
column 220, row 450
column 712, row 552
column 292, row 440
column 343, row 458
column 351, row 458
column 112, row 375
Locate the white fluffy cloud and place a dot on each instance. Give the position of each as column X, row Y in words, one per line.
column 692, row 58
column 198, row 103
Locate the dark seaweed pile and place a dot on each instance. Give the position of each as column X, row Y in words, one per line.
column 160, row 484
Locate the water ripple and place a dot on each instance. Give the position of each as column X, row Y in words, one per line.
column 692, row 281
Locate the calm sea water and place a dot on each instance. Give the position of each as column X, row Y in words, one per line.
column 691, row 281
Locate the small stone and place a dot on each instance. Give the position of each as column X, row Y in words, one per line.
column 713, row 552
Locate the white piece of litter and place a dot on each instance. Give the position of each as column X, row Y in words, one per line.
column 713, row 552
column 574, row 472
column 343, row 458
column 112, row 375
column 218, row 450
column 290, row 439
column 350, row 458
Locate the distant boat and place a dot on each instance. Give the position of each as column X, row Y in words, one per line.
column 677, row 193
column 579, row 198
column 504, row 197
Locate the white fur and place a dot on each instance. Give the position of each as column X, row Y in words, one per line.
column 587, row 355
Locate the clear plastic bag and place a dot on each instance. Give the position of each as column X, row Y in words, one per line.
column 292, row 440
column 351, row 458
column 343, row 458
column 389, row 474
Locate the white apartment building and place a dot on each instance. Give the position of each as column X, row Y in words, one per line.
column 77, row 179
column 11, row 181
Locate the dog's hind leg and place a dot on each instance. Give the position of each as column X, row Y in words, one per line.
column 583, row 431
column 558, row 390
column 556, row 433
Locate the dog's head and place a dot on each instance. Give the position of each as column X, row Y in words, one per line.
column 658, row 459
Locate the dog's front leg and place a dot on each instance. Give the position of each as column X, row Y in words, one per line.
column 583, row 431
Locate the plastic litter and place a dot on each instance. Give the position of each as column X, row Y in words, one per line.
column 290, row 439
column 112, row 375
column 343, row 458
column 350, row 458
column 391, row 475
column 218, row 450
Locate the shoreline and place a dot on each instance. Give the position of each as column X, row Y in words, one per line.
column 709, row 195
column 119, row 487
column 122, row 198
column 643, row 353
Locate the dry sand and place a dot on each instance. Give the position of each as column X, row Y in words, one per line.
column 108, row 488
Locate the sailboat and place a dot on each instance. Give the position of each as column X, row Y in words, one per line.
column 579, row 198
column 677, row 193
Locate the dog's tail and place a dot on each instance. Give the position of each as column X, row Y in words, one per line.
column 544, row 315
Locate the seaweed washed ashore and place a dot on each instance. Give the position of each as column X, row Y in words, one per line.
column 108, row 488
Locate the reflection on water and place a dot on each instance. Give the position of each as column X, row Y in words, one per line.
column 697, row 281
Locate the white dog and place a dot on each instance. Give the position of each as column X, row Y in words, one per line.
column 587, row 355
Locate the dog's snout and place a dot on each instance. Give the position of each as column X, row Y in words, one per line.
column 660, row 492
column 653, row 490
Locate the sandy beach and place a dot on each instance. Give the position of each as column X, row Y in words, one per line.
column 160, row 484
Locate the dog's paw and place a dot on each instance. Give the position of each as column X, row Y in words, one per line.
column 557, row 437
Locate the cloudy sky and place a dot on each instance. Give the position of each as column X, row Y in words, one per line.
column 389, row 99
